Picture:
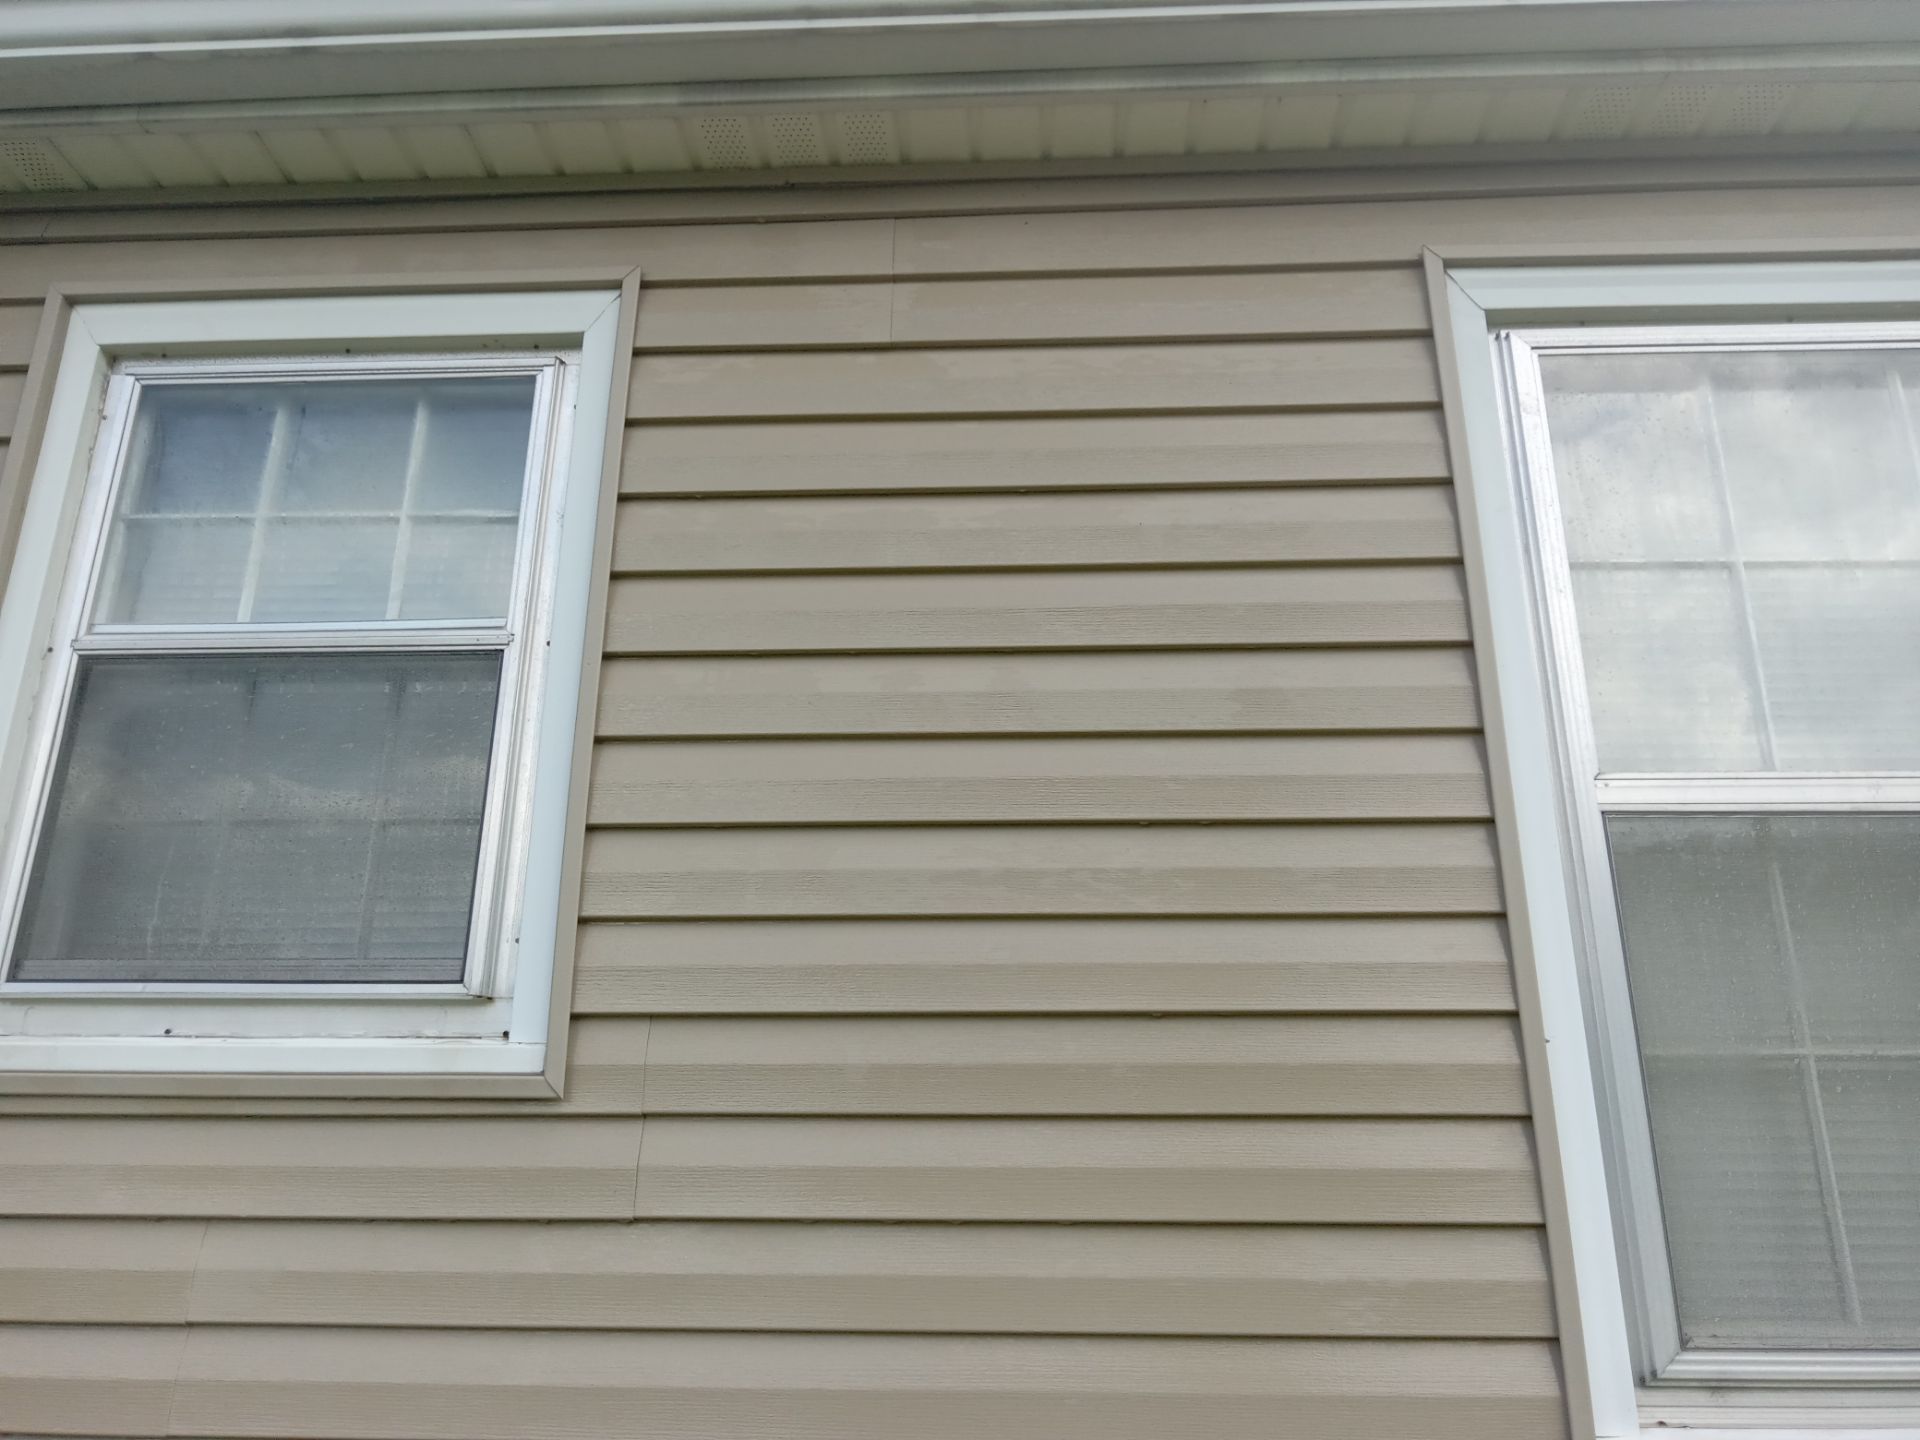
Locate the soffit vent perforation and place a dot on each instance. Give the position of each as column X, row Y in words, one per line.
column 795, row 140
column 40, row 166
column 726, row 143
column 867, row 137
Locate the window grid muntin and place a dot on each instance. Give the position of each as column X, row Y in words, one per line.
column 508, row 789
column 1652, row 1307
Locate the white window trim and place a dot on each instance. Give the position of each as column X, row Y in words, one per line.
column 1540, row 807
column 55, row 1037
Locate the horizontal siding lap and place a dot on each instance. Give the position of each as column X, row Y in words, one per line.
column 1374, row 1171
column 78, row 1271
column 1220, row 692
column 1042, row 965
column 1079, row 452
column 532, row 1167
column 1161, row 307
column 56, row 1380
column 1095, row 610
column 990, row 870
column 900, row 1066
column 507, row 1385
column 984, row 1278
column 1242, row 375
column 1205, row 527
column 19, row 324
column 1061, row 308
column 1420, row 777
column 763, row 317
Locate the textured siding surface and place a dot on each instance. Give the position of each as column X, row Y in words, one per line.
column 1042, row 971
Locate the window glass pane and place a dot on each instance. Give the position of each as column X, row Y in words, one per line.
column 198, row 449
column 1666, row 685
column 298, row 501
column 455, row 566
column 264, row 819
column 1840, row 651
column 1744, row 534
column 324, row 570
column 1775, row 970
column 1633, row 458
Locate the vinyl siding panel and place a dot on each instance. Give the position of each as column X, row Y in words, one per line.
column 1209, row 692
column 533, row 1167
column 1054, row 610
column 137, row 1272
column 1397, row 1172
column 1105, row 452
column 18, row 325
column 1005, row 532
column 1003, row 870
column 1177, row 307
column 1014, row 1279
column 1049, row 965
column 1464, row 1065
column 1304, row 375
column 1000, row 312
column 1042, row 966
column 438, row 1385
column 1418, row 777
column 94, row 1381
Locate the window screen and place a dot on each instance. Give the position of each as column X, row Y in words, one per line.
column 273, row 761
column 1741, row 533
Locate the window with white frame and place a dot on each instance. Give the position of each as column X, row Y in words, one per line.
column 284, row 794
column 1728, row 526
column 1691, row 496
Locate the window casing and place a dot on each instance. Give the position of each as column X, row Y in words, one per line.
column 1807, row 825
column 401, row 671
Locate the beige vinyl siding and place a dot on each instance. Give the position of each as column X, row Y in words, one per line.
column 1042, row 969
column 1107, row 452
column 507, row 1385
column 1229, row 693
column 1264, row 1281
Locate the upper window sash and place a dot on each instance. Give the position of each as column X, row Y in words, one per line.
column 112, row 475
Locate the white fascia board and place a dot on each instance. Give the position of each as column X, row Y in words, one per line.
column 75, row 54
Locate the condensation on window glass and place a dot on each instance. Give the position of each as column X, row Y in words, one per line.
column 319, row 501
column 1743, row 529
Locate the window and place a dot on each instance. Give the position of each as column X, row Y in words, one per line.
column 290, row 786
column 1701, row 556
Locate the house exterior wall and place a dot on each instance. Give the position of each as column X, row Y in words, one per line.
column 1041, row 968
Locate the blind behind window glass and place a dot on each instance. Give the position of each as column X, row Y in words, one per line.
column 264, row 819
column 1743, row 532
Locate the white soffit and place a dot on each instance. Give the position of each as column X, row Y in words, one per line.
column 206, row 94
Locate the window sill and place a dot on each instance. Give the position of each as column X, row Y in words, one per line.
column 427, row 1068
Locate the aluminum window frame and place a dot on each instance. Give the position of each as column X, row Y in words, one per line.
column 493, row 1026
column 1616, row 1344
